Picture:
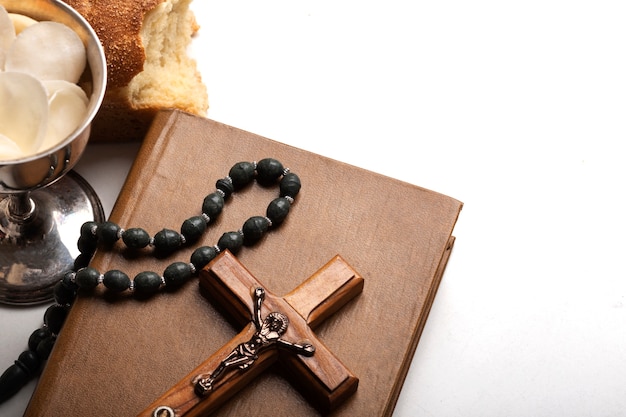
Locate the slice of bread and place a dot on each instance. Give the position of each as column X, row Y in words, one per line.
column 145, row 43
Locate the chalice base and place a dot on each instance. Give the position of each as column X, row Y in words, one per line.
column 35, row 255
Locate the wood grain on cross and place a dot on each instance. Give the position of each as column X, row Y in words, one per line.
column 321, row 378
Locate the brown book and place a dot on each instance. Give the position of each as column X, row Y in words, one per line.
column 117, row 354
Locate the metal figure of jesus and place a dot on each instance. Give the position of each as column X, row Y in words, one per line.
column 269, row 332
column 284, row 336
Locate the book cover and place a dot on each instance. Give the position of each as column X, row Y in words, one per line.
column 117, row 354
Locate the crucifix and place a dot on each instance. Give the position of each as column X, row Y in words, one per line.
column 275, row 329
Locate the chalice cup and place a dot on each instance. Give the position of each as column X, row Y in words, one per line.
column 43, row 203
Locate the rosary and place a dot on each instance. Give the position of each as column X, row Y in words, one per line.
column 267, row 171
column 286, row 331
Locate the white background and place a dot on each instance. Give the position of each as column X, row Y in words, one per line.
column 516, row 108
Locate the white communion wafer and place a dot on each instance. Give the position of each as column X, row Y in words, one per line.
column 9, row 149
column 48, row 51
column 23, row 111
column 67, row 105
column 21, row 22
column 7, row 34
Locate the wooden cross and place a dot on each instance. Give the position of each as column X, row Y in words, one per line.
column 316, row 371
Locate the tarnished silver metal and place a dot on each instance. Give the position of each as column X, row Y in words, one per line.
column 163, row 411
column 36, row 252
column 38, row 202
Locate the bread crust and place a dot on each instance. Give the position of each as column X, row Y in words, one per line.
column 118, row 25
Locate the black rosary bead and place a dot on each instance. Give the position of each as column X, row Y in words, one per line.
column 37, row 336
column 167, row 241
column 65, row 290
column 82, row 261
column 226, row 186
column 87, row 278
column 54, row 317
column 147, row 282
column 177, row 274
column 241, row 174
column 213, row 204
column 116, row 280
column 290, row 185
column 193, row 228
column 17, row 375
column 68, row 280
column 45, row 347
column 88, row 229
column 278, row 210
column 108, row 233
column 88, row 241
column 269, row 170
column 202, row 256
column 136, row 238
column 254, row 228
column 233, row 241
column 11, row 381
column 87, row 245
column 30, row 362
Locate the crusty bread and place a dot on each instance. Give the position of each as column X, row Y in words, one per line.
column 145, row 43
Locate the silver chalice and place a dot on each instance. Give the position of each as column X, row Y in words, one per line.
column 43, row 202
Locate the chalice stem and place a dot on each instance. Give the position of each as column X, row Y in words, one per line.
column 20, row 207
column 38, row 234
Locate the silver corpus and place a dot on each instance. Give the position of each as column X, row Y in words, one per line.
column 42, row 202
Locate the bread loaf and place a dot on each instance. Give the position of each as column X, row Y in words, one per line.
column 145, row 43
